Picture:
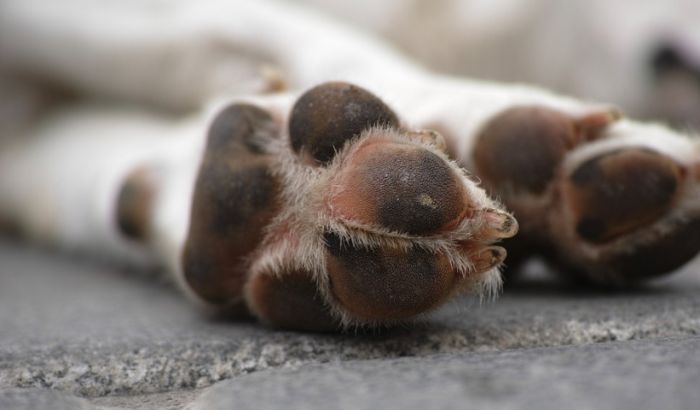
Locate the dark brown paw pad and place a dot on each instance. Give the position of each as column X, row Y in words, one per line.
column 235, row 197
column 618, row 192
column 330, row 114
column 665, row 253
column 290, row 300
column 134, row 204
column 386, row 284
column 401, row 187
column 520, row 149
column 237, row 129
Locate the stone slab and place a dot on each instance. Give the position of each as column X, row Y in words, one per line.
column 648, row 374
column 95, row 330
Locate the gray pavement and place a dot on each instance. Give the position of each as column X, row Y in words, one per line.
column 118, row 340
column 657, row 374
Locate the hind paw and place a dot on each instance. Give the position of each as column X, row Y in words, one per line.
column 614, row 201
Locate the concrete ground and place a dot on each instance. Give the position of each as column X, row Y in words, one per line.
column 81, row 335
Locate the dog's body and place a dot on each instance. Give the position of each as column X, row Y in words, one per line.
column 643, row 56
column 139, row 184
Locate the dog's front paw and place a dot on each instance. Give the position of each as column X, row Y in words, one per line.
column 346, row 219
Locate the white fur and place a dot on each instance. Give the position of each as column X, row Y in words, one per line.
column 593, row 49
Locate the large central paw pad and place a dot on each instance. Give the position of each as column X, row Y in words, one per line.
column 349, row 216
column 402, row 187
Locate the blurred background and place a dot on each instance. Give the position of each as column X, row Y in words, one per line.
column 642, row 55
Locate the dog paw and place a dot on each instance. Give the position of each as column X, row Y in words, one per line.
column 332, row 214
column 615, row 201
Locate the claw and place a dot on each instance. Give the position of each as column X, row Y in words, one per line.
column 591, row 126
column 429, row 137
column 488, row 258
column 498, row 224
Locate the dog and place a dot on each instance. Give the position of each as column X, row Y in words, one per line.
column 280, row 164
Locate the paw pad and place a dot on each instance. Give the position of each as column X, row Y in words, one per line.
column 328, row 115
column 235, row 198
column 401, row 187
column 290, row 300
column 521, row 148
column 134, row 204
column 617, row 192
column 386, row 284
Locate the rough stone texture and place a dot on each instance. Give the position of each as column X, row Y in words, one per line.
column 46, row 399
column 661, row 374
column 92, row 330
column 172, row 400
column 38, row 399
